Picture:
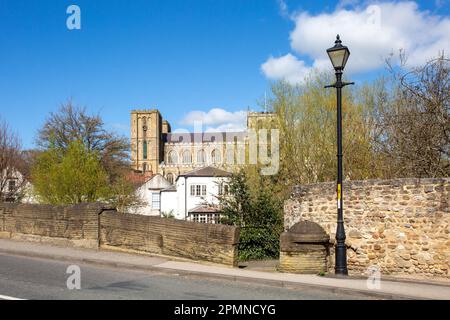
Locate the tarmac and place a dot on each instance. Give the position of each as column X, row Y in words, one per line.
column 384, row 289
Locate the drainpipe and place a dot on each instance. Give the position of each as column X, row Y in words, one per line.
column 185, row 198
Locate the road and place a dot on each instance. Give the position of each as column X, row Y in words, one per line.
column 42, row 279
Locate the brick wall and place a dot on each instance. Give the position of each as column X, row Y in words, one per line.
column 402, row 226
column 61, row 225
column 197, row 241
column 88, row 225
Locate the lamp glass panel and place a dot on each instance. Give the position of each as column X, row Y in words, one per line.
column 347, row 54
column 338, row 58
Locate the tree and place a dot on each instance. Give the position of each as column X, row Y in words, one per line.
column 122, row 195
column 307, row 121
column 258, row 212
column 72, row 123
column 12, row 168
column 70, row 176
column 416, row 121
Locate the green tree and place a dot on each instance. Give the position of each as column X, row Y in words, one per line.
column 307, row 121
column 70, row 176
column 72, row 123
column 258, row 212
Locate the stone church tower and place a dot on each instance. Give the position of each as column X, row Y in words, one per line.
column 148, row 133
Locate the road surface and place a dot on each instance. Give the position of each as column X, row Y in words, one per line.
column 33, row 278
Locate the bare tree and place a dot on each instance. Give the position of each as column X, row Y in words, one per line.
column 12, row 179
column 71, row 123
column 416, row 125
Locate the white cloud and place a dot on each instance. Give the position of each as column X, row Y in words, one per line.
column 286, row 67
column 371, row 32
column 216, row 119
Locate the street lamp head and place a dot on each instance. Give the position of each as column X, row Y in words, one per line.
column 338, row 54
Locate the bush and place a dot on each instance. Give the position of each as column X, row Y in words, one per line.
column 258, row 211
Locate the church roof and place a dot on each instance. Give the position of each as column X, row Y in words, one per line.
column 206, row 172
column 202, row 137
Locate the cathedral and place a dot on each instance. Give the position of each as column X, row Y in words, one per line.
column 157, row 150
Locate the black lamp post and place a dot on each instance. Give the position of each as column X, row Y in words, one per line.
column 339, row 55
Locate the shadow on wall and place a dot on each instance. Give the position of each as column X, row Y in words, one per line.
column 94, row 225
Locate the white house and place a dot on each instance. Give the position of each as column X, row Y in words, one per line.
column 192, row 197
column 195, row 195
column 150, row 194
column 15, row 188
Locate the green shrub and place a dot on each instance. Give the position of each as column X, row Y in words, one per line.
column 258, row 211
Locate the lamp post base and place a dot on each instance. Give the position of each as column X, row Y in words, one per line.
column 340, row 267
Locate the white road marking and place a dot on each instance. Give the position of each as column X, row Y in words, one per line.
column 9, row 298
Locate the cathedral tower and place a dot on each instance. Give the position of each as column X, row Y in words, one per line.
column 147, row 148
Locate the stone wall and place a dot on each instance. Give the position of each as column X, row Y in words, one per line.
column 94, row 225
column 402, row 226
column 76, row 225
column 197, row 241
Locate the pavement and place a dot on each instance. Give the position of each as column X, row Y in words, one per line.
column 33, row 278
column 388, row 289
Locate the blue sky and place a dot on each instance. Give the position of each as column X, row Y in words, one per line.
column 184, row 57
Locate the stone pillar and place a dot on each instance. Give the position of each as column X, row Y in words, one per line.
column 304, row 248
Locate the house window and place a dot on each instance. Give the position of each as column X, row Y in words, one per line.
column 156, row 201
column 223, row 189
column 11, row 185
column 213, row 218
column 198, row 190
column 205, row 217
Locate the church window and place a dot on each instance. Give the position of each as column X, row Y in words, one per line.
column 172, row 157
column 144, row 149
column 187, row 157
column 215, row 156
column 144, row 125
column 201, row 156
